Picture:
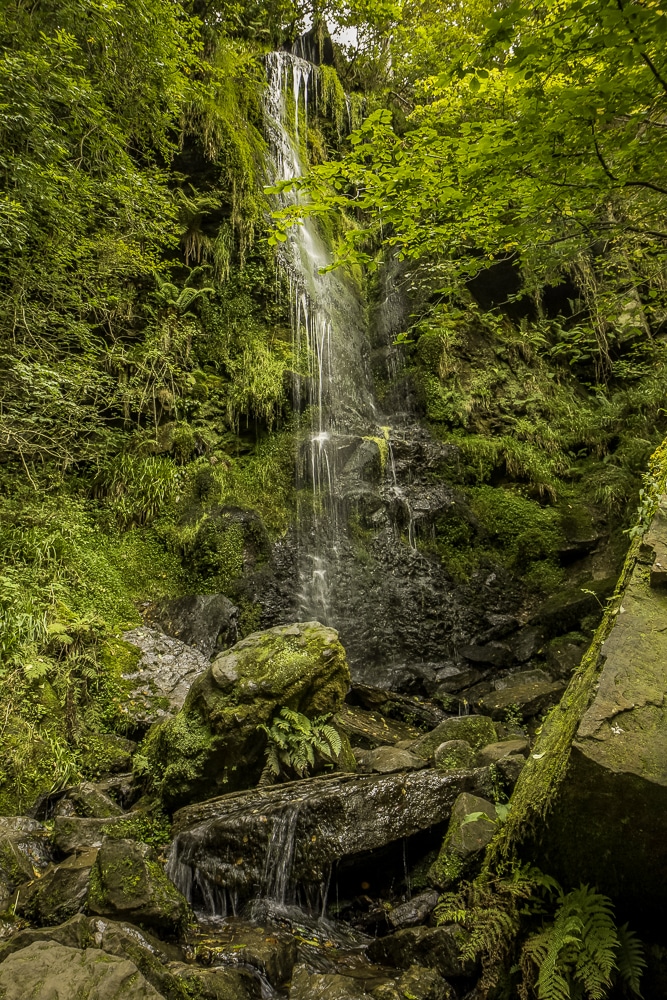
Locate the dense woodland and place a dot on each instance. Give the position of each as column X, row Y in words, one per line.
column 506, row 160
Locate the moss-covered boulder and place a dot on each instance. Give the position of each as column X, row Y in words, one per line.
column 214, row 744
column 128, row 883
column 471, row 828
column 452, row 755
column 46, row 969
column 60, row 893
column 476, row 730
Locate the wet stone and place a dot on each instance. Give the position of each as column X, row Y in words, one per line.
column 217, row 984
column 159, row 682
column 369, row 730
column 414, row 912
column 269, row 951
column 61, row 892
column 436, row 948
column 529, row 693
column 90, row 801
column 384, row 760
column 472, row 827
column 206, row 622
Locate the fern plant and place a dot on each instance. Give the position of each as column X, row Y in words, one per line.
column 295, row 742
column 581, row 953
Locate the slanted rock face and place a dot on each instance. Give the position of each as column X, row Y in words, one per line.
column 207, row 622
column 609, row 824
column 61, row 892
column 160, row 675
column 214, row 744
column 24, row 853
column 265, row 841
column 471, row 829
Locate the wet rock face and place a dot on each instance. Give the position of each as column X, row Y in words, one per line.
column 162, row 676
column 436, row 948
column 264, row 842
column 471, row 828
column 214, row 743
column 24, row 853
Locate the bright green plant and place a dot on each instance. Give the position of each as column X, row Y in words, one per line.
column 295, row 742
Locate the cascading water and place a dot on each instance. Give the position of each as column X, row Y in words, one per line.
column 333, row 388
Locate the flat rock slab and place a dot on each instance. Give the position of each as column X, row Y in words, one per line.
column 263, row 841
column 371, row 729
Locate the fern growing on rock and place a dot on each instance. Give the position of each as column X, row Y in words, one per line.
column 295, row 742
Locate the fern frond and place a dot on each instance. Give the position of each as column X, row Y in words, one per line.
column 630, row 959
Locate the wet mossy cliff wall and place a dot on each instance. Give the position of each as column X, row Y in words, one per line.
column 598, row 773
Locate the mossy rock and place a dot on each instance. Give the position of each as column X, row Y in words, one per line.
column 129, row 883
column 214, row 745
column 60, row 893
column 477, row 730
column 471, row 828
column 453, row 755
column 105, row 753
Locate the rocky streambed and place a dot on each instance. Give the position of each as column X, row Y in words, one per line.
column 198, row 874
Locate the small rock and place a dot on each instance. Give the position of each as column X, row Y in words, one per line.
column 454, row 755
column 465, row 839
column 90, row 801
column 477, row 730
column 129, row 883
column 426, row 984
column 416, row 911
column 217, row 984
column 369, row 730
column 317, row 986
column 46, row 970
column 24, row 853
column 527, row 643
column 509, row 768
column 495, row 751
column 453, row 679
column 384, row 760
column 436, row 948
column 564, row 656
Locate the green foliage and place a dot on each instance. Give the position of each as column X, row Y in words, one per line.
column 578, row 953
column 295, row 742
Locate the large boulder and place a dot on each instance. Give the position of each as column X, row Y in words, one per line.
column 46, row 970
column 214, row 743
column 608, row 825
column 267, row 840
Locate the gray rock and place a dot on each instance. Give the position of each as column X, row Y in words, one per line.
column 527, row 643
column 496, row 751
column 206, row 622
column 564, row 656
column 472, row 827
column 46, row 970
column 217, row 984
column 531, row 691
column 164, row 674
column 508, row 770
column 129, row 883
column 122, row 940
column 325, row 986
column 452, row 755
column 426, row 984
column 415, row 911
column 61, row 892
column 477, row 730
column 384, row 760
column 221, row 845
column 436, row 948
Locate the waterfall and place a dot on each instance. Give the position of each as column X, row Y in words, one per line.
column 332, row 389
